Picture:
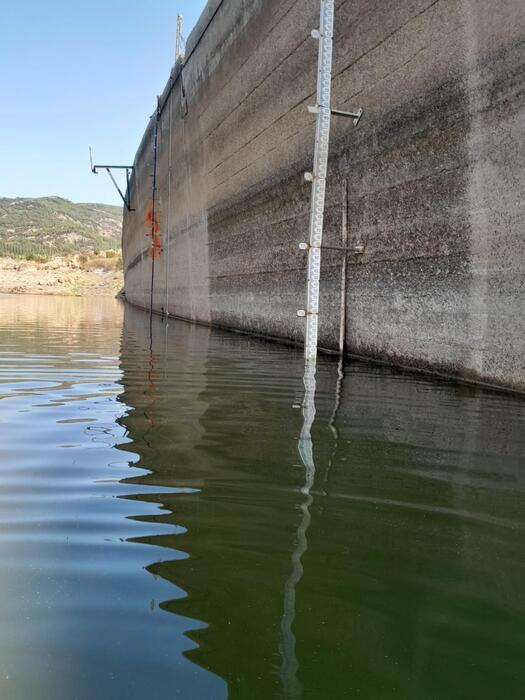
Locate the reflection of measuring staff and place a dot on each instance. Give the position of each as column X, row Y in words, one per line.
column 289, row 663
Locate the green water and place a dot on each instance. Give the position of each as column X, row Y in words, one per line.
column 180, row 518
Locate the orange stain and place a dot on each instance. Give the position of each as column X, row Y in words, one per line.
column 156, row 245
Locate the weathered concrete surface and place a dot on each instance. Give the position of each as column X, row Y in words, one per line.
column 434, row 176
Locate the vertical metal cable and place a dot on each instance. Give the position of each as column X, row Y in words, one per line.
column 169, row 209
column 344, row 266
column 153, row 203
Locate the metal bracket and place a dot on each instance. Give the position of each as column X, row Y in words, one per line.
column 356, row 250
column 356, row 116
column 108, row 169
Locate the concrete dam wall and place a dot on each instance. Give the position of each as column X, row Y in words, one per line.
column 431, row 184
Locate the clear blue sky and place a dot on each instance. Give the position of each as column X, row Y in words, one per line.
column 75, row 73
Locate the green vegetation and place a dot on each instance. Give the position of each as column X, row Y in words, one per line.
column 37, row 229
column 108, row 261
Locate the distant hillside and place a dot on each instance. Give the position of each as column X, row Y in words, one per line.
column 52, row 225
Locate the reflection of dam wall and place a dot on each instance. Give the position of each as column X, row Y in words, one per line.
column 194, row 424
column 417, row 462
column 155, row 420
column 413, row 462
column 435, row 177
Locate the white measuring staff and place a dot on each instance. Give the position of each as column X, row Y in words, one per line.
column 324, row 111
column 318, row 177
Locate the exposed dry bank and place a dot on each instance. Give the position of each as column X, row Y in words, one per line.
column 77, row 275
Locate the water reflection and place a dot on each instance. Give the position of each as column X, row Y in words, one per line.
column 195, row 424
column 79, row 613
column 290, row 665
column 162, row 535
column 373, row 573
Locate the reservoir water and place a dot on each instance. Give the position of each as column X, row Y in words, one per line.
column 182, row 515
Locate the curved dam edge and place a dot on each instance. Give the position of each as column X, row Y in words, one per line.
column 399, row 365
column 431, row 183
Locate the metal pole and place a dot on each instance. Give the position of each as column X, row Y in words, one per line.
column 344, row 265
column 169, row 210
column 178, row 41
column 318, row 177
column 118, row 188
column 128, row 193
